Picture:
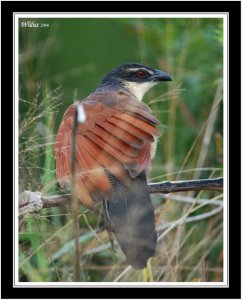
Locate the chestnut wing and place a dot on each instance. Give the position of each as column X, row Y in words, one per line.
column 116, row 136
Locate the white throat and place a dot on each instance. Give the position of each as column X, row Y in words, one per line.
column 138, row 89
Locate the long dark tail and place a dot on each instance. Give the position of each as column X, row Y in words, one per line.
column 132, row 216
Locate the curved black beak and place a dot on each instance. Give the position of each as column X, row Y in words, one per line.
column 160, row 76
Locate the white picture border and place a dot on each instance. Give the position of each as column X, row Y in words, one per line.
column 16, row 17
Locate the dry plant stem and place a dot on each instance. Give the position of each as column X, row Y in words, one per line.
column 169, row 227
column 74, row 202
column 35, row 201
column 209, row 129
column 213, row 109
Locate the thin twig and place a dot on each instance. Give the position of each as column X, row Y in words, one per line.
column 186, row 199
column 74, row 201
column 189, row 220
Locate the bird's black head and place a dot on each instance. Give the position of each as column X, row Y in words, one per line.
column 136, row 73
column 135, row 77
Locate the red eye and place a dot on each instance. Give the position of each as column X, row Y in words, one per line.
column 140, row 74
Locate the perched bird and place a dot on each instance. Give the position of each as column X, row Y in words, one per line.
column 114, row 148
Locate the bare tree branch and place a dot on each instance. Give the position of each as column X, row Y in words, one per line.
column 165, row 187
column 30, row 202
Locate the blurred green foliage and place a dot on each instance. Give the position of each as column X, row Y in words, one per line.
column 65, row 60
